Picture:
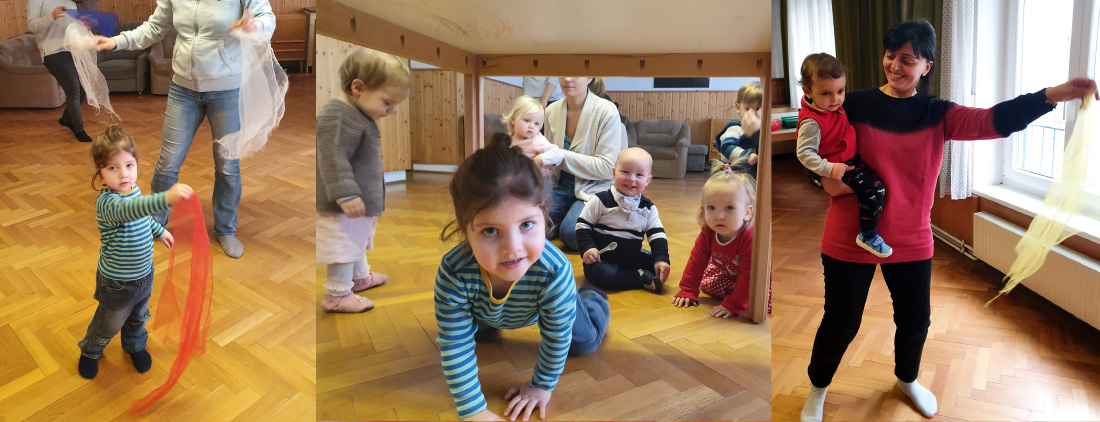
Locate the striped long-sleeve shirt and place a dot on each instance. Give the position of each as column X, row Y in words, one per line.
column 611, row 217
column 126, row 232
column 546, row 294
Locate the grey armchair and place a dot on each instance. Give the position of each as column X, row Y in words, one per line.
column 24, row 80
column 667, row 141
column 160, row 63
column 125, row 70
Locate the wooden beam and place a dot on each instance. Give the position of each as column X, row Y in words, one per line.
column 762, row 228
column 346, row 23
column 473, row 118
column 628, row 65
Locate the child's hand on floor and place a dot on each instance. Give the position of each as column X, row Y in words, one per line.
column 526, row 398
column 179, row 191
column 591, row 256
column 683, row 302
column 839, row 169
column 354, row 208
column 484, row 415
column 721, row 312
column 167, row 239
column 662, row 269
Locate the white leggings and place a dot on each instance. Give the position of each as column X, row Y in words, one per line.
column 339, row 276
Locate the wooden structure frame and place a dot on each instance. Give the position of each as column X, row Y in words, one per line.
column 346, row 23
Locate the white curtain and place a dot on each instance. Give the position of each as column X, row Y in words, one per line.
column 956, row 84
column 809, row 31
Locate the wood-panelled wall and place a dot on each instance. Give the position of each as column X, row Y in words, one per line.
column 499, row 96
column 435, row 121
column 394, row 128
column 13, row 13
column 695, row 108
column 437, row 106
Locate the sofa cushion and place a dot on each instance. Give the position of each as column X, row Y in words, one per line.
column 118, row 69
column 698, row 149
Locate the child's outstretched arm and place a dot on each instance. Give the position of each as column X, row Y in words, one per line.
column 454, row 315
column 809, row 141
column 112, row 209
column 557, row 312
column 693, row 272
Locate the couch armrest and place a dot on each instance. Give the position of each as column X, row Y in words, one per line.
column 8, row 67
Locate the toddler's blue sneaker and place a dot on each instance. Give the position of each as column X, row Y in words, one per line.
column 875, row 245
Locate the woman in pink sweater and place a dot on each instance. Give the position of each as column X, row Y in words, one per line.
column 901, row 134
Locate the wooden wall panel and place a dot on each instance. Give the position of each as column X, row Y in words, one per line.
column 13, row 13
column 394, row 129
column 435, row 129
column 13, row 18
column 695, row 108
column 499, row 96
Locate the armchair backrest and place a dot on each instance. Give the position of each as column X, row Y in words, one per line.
column 122, row 54
column 20, row 51
column 657, row 133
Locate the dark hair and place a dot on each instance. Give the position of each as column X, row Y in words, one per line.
column 820, row 66
column 113, row 141
column 920, row 34
column 490, row 176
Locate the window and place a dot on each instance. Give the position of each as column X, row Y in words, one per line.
column 1043, row 60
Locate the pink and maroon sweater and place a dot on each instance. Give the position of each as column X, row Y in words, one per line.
column 903, row 140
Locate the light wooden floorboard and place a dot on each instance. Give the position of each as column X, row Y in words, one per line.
column 260, row 358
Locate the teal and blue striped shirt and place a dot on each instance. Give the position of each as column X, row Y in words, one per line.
column 124, row 232
column 546, row 294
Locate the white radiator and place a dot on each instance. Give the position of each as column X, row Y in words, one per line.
column 1067, row 278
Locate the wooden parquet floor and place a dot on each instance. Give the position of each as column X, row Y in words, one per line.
column 656, row 363
column 260, row 357
column 1019, row 359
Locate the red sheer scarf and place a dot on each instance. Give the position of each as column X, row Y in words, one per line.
column 183, row 312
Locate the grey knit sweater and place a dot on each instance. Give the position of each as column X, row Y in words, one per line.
column 349, row 159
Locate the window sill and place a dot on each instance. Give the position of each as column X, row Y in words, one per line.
column 1030, row 204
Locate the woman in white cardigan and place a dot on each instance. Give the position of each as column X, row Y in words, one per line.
column 590, row 135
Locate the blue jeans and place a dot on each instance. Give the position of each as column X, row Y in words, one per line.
column 564, row 213
column 593, row 314
column 123, row 306
column 185, row 112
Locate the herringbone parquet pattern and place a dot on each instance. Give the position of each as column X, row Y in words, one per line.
column 260, row 357
column 1019, row 359
column 657, row 362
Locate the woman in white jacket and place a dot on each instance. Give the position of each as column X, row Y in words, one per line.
column 590, row 135
column 206, row 65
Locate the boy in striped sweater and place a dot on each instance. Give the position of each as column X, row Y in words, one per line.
column 623, row 216
column 124, row 278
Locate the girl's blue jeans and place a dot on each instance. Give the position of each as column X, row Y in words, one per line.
column 123, row 306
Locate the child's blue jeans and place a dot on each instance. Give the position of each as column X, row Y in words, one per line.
column 123, row 306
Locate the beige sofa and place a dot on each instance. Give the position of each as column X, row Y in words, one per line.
column 24, row 80
column 667, row 141
column 160, row 63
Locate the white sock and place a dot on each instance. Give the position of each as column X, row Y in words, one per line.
column 814, row 409
column 924, row 399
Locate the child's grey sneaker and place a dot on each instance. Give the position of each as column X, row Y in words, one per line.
column 232, row 247
column 650, row 281
column 875, row 245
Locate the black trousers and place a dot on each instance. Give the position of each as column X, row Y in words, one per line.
column 869, row 190
column 619, row 271
column 846, row 286
column 61, row 66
